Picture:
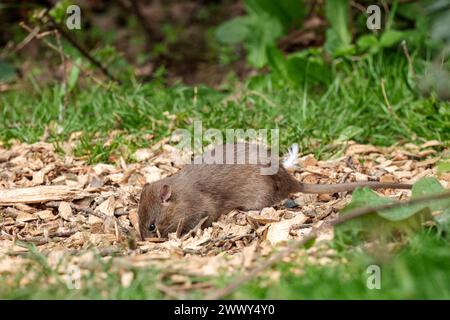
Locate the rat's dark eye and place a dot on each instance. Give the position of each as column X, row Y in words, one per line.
column 151, row 227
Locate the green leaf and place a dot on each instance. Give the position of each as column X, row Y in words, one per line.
column 368, row 42
column 297, row 68
column 308, row 244
column 431, row 185
column 427, row 186
column 391, row 37
column 406, row 218
column 443, row 167
column 289, row 13
column 338, row 37
column 58, row 12
column 262, row 27
column 265, row 34
column 234, row 31
column 385, row 223
column 369, row 198
column 375, row 227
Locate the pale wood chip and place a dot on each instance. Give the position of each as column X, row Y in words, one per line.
column 126, row 279
column 12, row 212
column 425, row 153
column 65, row 211
column 279, row 231
column 108, row 206
column 151, row 173
column 403, row 174
column 38, row 178
column 46, row 215
column 308, row 161
column 361, row 149
column 25, row 207
column 94, row 220
column 25, row 217
column 361, row 177
column 143, row 154
column 40, row 194
column 262, row 220
column 387, row 178
column 391, row 169
column 431, row 143
column 102, row 168
column 325, row 197
column 428, row 162
column 248, row 255
column 425, row 173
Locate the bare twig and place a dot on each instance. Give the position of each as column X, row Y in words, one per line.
column 46, row 239
column 143, row 22
column 80, row 48
column 63, row 104
column 266, row 264
column 391, row 110
column 24, row 241
column 363, row 211
column 408, row 57
column 358, row 6
column 22, row 44
column 41, row 36
column 262, row 96
column 156, row 239
column 294, row 245
column 85, row 72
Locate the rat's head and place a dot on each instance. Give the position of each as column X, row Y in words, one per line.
column 157, row 210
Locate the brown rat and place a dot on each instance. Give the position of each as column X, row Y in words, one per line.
column 210, row 190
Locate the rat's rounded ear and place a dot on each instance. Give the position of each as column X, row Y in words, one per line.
column 165, row 193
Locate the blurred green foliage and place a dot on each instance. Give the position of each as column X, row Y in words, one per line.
column 347, row 37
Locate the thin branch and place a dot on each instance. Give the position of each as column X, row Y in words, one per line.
column 363, row 211
column 80, row 48
column 63, row 104
column 265, row 265
column 22, row 44
column 391, row 110
column 408, row 57
column 143, row 22
column 293, row 246
column 42, row 35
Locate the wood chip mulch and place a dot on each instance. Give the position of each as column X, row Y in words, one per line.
column 72, row 211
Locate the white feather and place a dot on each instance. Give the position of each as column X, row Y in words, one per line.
column 292, row 157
